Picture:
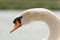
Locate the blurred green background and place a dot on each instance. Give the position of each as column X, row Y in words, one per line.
column 25, row 4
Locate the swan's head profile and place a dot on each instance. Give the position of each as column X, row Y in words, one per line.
column 17, row 22
column 23, row 19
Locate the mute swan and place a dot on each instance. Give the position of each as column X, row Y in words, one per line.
column 39, row 14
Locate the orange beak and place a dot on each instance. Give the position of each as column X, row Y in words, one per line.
column 17, row 25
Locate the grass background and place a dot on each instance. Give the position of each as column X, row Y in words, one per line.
column 25, row 4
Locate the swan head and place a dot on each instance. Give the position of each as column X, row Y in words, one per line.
column 17, row 22
column 21, row 20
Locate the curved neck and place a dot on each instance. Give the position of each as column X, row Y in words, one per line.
column 54, row 27
column 48, row 17
column 53, row 24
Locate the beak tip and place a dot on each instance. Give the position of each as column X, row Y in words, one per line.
column 10, row 31
column 17, row 25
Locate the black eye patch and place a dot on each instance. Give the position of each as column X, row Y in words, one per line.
column 18, row 19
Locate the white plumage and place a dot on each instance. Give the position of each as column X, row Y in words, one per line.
column 45, row 15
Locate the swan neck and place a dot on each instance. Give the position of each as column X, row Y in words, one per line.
column 54, row 28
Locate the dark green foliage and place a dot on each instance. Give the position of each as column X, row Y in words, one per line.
column 25, row 4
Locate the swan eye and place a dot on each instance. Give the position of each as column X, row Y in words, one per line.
column 21, row 17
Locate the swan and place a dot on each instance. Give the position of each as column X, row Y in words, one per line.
column 39, row 14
